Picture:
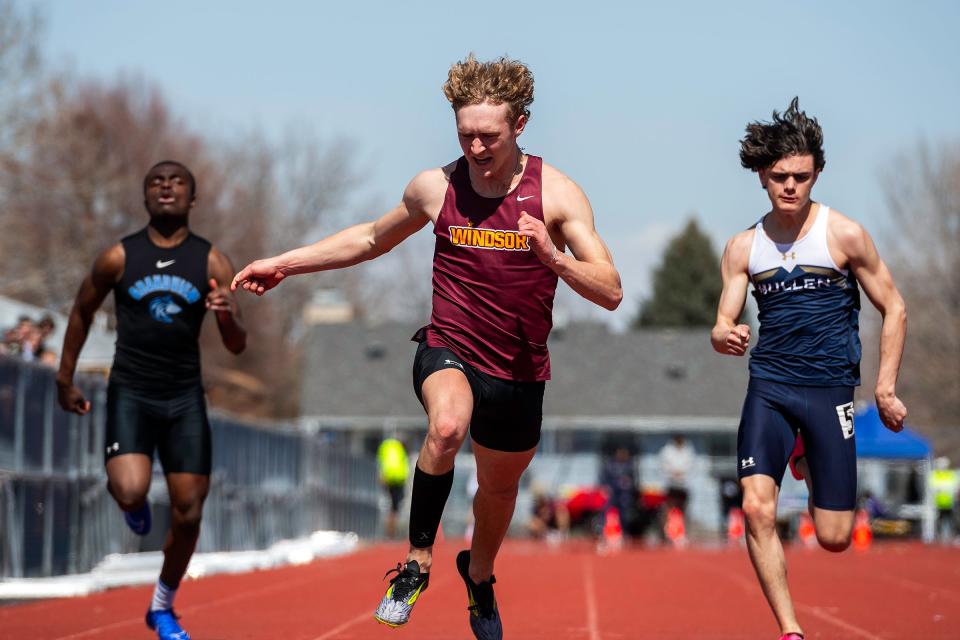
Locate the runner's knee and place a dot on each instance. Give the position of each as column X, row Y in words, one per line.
column 499, row 489
column 130, row 495
column 445, row 436
column 833, row 543
column 835, row 539
column 761, row 512
column 186, row 516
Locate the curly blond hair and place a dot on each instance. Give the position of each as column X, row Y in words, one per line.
column 500, row 81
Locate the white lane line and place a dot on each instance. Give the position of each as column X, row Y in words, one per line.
column 818, row 612
column 591, row 596
column 366, row 616
column 197, row 607
column 922, row 587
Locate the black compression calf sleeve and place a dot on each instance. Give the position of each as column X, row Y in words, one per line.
column 430, row 495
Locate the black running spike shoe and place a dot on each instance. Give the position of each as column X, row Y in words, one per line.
column 484, row 615
column 405, row 587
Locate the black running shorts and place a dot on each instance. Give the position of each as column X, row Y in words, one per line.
column 507, row 414
column 173, row 424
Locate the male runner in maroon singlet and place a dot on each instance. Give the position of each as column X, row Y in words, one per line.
column 502, row 220
column 164, row 278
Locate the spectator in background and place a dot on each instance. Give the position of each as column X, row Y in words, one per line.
column 619, row 477
column 15, row 339
column 394, row 468
column 676, row 460
column 585, row 509
column 731, row 506
column 550, row 519
column 944, row 483
column 41, row 334
column 874, row 506
column 27, row 340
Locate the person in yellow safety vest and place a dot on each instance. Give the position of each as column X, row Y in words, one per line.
column 394, row 469
column 945, row 483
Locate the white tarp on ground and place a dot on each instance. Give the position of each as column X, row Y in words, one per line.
column 118, row 570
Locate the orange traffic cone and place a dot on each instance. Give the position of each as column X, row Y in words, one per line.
column 612, row 532
column 807, row 531
column 736, row 528
column 675, row 529
column 862, row 533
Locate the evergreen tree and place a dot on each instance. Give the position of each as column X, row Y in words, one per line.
column 686, row 285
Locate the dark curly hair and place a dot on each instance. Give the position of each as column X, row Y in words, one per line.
column 790, row 134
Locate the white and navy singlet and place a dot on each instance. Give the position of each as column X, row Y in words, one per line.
column 808, row 311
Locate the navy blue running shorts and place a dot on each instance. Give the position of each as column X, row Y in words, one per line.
column 507, row 414
column 773, row 414
column 174, row 424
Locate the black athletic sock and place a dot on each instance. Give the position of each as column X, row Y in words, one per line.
column 429, row 497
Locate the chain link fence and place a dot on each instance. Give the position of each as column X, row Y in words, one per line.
column 269, row 482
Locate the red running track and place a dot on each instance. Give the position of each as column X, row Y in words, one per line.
column 903, row 591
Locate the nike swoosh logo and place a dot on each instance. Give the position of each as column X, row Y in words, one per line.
column 522, row 198
column 161, row 264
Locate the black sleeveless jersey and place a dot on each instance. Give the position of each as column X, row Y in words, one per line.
column 160, row 304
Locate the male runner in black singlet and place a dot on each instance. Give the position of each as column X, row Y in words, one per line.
column 502, row 220
column 164, row 278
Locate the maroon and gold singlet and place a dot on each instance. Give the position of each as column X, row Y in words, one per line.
column 492, row 297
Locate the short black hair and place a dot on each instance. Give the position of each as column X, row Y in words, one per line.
column 790, row 134
column 193, row 181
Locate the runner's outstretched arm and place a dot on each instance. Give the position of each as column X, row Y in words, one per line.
column 345, row 248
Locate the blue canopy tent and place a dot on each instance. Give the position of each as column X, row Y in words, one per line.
column 878, row 448
column 880, row 453
column 874, row 440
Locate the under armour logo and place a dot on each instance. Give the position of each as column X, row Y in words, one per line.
column 747, row 462
column 790, row 256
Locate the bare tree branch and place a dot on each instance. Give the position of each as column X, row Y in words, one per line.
column 923, row 195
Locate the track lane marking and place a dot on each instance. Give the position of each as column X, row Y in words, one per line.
column 818, row 612
column 590, row 593
column 923, row 587
column 193, row 608
column 363, row 617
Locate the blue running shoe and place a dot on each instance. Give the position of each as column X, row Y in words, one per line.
column 164, row 622
column 139, row 521
column 484, row 616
